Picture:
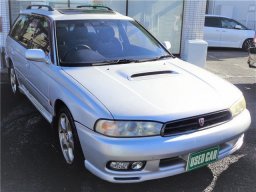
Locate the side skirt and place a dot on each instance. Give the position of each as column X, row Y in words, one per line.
column 37, row 105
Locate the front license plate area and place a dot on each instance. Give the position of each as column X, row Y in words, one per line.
column 202, row 158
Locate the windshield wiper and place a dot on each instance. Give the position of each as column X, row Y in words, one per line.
column 160, row 57
column 112, row 62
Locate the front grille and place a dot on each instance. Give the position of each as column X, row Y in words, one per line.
column 192, row 124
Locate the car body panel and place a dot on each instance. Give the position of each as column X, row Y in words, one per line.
column 16, row 52
column 38, row 85
column 213, row 36
column 153, row 149
column 83, row 105
column 155, row 97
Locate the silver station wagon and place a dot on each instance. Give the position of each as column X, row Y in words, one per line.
column 119, row 101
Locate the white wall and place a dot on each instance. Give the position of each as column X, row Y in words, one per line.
column 161, row 17
column 242, row 11
column 4, row 13
column 193, row 21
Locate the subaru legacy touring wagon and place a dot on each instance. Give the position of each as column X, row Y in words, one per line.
column 119, row 101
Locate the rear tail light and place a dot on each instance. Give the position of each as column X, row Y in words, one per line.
column 254, row 39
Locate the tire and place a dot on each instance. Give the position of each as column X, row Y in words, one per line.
column 69, row 144
column 13, row 81
column 247, row 44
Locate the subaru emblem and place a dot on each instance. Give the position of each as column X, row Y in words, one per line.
column 201, row 122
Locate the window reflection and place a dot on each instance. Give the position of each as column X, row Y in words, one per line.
column 162, row 18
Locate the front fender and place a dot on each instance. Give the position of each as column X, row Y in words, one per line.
column 84, row 107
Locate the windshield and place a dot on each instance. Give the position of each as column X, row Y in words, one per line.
column 92, row 42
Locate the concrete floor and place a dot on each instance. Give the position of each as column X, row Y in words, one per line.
column 31, row 162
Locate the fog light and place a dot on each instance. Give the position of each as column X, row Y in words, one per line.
column 126, row 165
column 137, row 165
column 116, row 165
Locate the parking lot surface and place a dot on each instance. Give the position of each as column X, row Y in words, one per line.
column 31, row 162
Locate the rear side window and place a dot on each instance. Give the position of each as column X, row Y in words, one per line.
column 212, row 22
column 41, row 36
column 18, row 26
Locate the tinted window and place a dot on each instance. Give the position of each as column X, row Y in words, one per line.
column 138, row 38
column 18, row 26
column 96, row 41
column 41, row 36
column 28, row 31
column 230, row 24
column 212, row 22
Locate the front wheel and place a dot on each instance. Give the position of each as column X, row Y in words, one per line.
column 68, row 138
column 247, row 44
column 13, row 81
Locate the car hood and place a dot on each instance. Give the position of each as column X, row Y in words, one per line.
column 161, row 90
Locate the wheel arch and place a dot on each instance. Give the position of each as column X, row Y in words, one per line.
column 247, row 38
column 56, row 107
column 58, row 104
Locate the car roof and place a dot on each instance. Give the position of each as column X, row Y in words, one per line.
column 80, row 13
column 220, row 16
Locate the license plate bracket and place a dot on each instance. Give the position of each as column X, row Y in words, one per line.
column 202, row 158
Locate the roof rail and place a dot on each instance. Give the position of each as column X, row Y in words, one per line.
column 40, row 7
column 94, row 7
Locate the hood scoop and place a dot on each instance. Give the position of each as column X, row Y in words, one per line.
column 151, row 74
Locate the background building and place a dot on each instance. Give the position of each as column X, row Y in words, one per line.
column 169, row 20
column 243, row 11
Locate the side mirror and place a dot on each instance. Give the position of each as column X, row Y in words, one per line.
column 167, row 45
column 37, row 55
column 252, row 50
column 238, row 27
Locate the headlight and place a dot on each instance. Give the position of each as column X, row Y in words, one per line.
column 238, row 107
column 128, row 128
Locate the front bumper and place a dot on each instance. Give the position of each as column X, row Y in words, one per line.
column 99, row 150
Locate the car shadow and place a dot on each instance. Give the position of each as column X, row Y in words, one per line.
column 241, row 177
column 219, row 54
column 249, row 91
column 241, row 174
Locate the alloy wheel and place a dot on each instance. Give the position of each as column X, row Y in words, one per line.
column 13, row 80
column 247, row 44
column 66, row 138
